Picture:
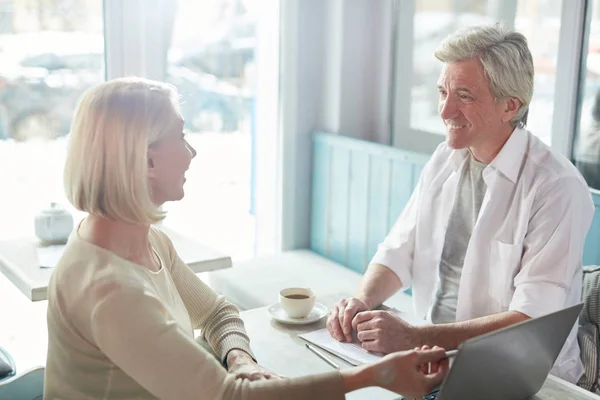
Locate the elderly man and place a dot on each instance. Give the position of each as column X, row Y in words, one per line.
column 493, row 233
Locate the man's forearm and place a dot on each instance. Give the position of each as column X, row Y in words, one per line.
column 377, row 285
column 450, row 336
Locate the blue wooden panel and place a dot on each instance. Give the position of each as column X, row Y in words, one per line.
column 377, row 182
column 374, row 149
column 591, row 249
column 358, row 212
column 379, row 198
column 338, row 205
column 401, row 189
column 320, row 197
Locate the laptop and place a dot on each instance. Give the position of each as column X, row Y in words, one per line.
column 508, row 364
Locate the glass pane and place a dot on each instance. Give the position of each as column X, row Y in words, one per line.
column 211, row 61
column 538, row 20
column 586, row 149
column 50, row 53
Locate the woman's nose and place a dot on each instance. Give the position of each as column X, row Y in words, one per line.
column 191, row 150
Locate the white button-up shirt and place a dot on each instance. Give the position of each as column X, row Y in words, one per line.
column 526, row 248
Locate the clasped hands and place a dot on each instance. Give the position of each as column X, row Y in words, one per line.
column 378, row 331
column 419, row 367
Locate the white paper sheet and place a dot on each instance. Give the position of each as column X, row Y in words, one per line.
column 350, row 352
column 353, row 352
column 48, row 256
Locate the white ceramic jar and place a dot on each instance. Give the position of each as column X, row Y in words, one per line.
column 54, row 224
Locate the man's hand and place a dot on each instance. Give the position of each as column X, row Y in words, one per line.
column 243, row 366
column 339, row 322
column 385, row 332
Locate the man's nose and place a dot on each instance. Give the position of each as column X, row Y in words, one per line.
column 448, row 109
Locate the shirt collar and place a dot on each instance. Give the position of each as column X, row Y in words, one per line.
column 507, row 161
column 457, row 157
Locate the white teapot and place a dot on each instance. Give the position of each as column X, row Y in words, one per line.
column 54, row 224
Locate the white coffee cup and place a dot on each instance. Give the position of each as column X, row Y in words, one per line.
column 297, row 302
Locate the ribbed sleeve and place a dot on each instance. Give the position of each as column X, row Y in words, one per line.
column 118, row 331
column 218, row 320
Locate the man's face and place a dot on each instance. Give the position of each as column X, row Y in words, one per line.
column 473, row 117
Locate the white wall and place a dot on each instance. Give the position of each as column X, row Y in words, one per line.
column 334, row 76
column 140, row 29
column 267, row 140
column 357, row 66
column 303, row 29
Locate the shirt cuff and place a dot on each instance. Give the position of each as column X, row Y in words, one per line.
column 535, row 299
column 224, row 361
column 233, row 341
column 385, row 258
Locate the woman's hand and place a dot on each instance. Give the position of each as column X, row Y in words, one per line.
column 414, row 372
column 409, row 373
column 243, row 366
column 431, row 367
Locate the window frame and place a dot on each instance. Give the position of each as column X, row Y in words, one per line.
column 575, row 21
column 129, row 28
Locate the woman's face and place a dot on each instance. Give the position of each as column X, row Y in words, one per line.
column 168, row 159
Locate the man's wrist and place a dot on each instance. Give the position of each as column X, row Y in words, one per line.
column 366, row 300
column 424, row 334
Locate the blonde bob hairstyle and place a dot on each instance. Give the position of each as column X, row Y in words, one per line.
column 106, row 171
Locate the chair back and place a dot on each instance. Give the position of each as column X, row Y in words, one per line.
column 7, row 365
column 588, row 333
column 28, row 385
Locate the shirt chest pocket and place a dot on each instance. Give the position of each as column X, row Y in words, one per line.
column 505, row 261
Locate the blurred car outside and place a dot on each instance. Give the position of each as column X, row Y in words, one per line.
column 44, row 73
column 224, row 54
column 42, row 76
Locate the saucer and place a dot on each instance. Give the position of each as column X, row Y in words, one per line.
column 319, row 311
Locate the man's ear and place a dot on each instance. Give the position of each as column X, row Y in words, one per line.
column 511, row 106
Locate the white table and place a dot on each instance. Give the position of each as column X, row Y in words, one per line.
column 276, row 346
column 19, row 262
column 279, row 348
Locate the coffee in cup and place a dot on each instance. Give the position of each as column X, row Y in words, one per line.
column 297, row 302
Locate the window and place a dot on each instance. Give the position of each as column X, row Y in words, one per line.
column 50, row 53
column 211, row 61
column 423, row 24
column 586, row 149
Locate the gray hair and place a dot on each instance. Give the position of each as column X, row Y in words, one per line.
column 505, row 57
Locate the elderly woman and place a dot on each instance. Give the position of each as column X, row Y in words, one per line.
column 122, row 305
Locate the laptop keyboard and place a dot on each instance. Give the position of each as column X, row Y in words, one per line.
column 431, row 396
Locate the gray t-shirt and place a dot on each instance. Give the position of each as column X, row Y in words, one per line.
column 471, row 190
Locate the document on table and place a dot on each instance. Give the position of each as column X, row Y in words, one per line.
column 48, row 256
column 353, row 352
